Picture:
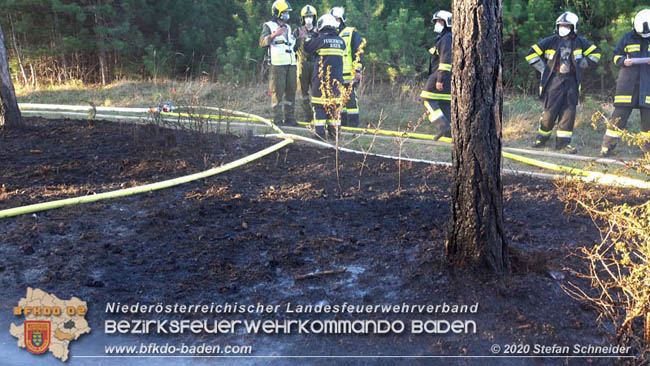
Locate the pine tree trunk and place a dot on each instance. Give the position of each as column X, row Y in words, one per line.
column 100, row 47
column 476, row 235
column 10, row 114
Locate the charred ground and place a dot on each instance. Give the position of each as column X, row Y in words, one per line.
column 244, row 236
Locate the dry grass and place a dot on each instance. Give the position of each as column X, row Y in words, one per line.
column 398, row 105
column 618, row 268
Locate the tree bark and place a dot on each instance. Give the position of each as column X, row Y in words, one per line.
column 10, row 114
column 476, row 233
column 101, row 46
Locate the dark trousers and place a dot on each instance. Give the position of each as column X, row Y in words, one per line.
column 325, row 119
column 350, row 112
column 282, row 84
column 619, row 119
column 559, row 106
column 305, row 74
column 439, row 113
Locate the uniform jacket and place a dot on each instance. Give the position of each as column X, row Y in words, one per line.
column 439, row 68
column 353, row 40
column 330, row 48
column 548, row 51
column 632, row 46
column 300, row 43
column 285, row 45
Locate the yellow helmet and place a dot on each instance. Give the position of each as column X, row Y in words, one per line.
column 279, row 7
column 308, row 11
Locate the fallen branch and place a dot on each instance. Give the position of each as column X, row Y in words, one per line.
column 319, row 274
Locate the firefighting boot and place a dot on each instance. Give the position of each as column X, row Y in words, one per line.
column 443, row 129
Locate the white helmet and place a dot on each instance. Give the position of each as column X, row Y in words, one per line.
column 642, row 23
column 568, row 18
column 339, row 12
column 444, row 15
column 327, row 21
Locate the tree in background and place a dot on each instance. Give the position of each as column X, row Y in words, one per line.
column 98, row 41
column 10, row 114
column 476, row 235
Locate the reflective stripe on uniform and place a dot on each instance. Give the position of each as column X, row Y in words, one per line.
column 590, row 50
column 549, row 54
column 623, row 99
column 331, row 52
column 444, row 67
column 616, row 58
column 320, row 122
column 542, row 132
column 595, row 57
column 433, row 114
column 647, row 99
column 537, row 50
column 433, row 50
column 333, row 122
column 352, row 110
column 614, row 133
column 564, row 134
column 532, row 58
column 577, row 52
column 436, row 96
column 632, row 48
column 318, row 100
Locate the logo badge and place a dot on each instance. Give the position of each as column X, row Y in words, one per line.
column 37, row 335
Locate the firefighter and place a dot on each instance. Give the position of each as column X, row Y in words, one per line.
column 327, row 76
column 280, row 42
column 437, row 91
column 352, row 66
column 633, row 83
column 561, row 59
column 308, row 17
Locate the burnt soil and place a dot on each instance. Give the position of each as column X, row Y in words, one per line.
column 245, row 235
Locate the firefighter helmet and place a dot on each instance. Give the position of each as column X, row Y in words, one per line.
column 567, row 18
column 642, row 23
column 279, row 7
column 339, row 12
column 442, row 15
column 308, row 11
column 327, row 22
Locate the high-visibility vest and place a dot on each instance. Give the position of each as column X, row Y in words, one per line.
column 281, row 48
column 348, row 67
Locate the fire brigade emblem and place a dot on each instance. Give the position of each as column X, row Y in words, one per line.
column 37, row 336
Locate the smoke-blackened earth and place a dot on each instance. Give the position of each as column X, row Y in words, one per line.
column 248, row 235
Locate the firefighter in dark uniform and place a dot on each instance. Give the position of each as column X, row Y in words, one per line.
column 437, row 91
column 277, row 37
column 352, row 67
column 561, row 58
column 328, row 75
column 633, row 83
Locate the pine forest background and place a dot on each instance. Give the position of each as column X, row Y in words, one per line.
column 101, row 41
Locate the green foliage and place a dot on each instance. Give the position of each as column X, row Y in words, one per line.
column 64, row 39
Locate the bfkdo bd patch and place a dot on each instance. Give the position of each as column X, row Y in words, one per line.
column 37, row 336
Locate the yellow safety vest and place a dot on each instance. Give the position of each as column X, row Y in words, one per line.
column 281, row 48
column 348, row 67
